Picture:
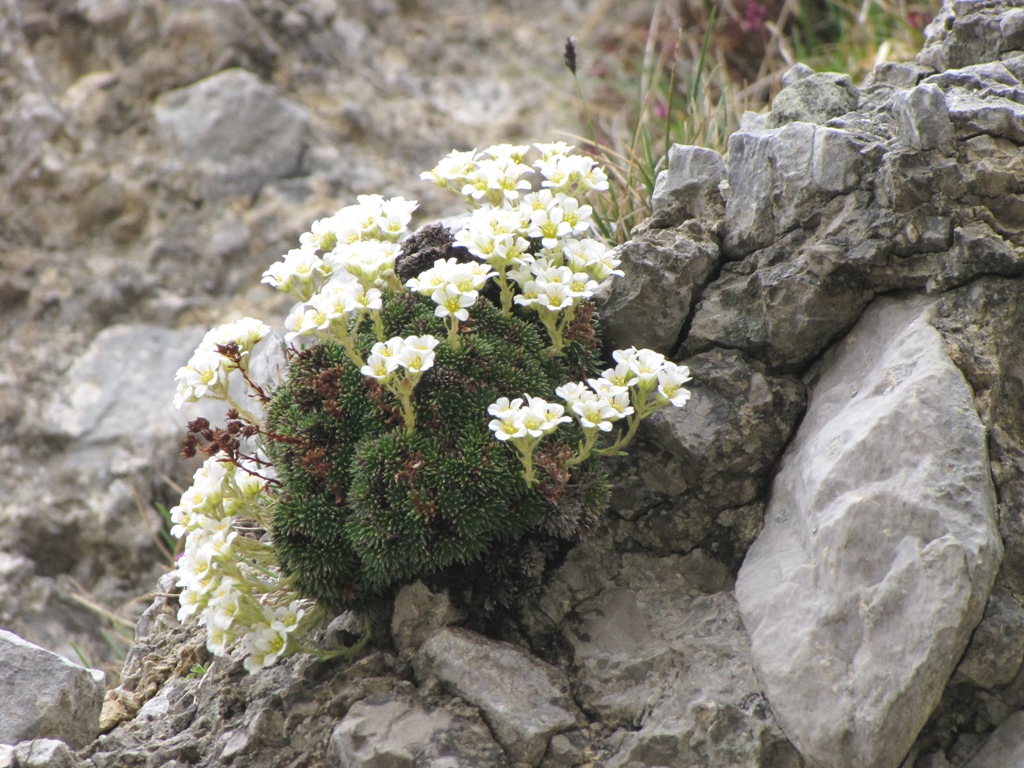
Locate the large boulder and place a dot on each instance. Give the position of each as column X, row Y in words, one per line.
column 880, row 545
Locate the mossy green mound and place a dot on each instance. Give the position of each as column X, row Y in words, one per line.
column 364, row 506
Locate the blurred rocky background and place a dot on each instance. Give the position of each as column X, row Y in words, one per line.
column 816, row 563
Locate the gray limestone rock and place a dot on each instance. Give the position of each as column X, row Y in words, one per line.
column 1004, row 748
column 664, row 272
column 399, row 731
column 524, row 700
column 45, row 695
column 985, row 99
column 779, row 179
column 690, row 184
column 44, row 753
column 121, row 388
column 663, row 653
column 996, row 651
column 803, row 296
column 881, row 519
column 813, row 97
column 967, row 32
column 237, row 131
column 924, row 119
column 418, row 613
column 733, row 429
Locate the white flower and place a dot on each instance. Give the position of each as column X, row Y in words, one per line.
column 383, row 359
column 577, row 216
column 507, row 428
column 581, row 286
column 322, row 235
column 503, row 407
column 417, row 354
column 451, row 302
column 621, row 375
column 605, row 387
column 453, row 169
column 285, row 619
column 647, row 364
column 206, row 375
column 368, row 261
column 555, row 297
column 395, row 215
column 506, row 424
column 619, row 402
column 218, row 639
column 571, row 174
column 549, row 225
column 376, row 367
column 190, row 602
column 595, row 413
column 574, row 392
column 265, row 644
column 540, row 417
column 224, row 605
column 550, row 150
column 306, row 318
column 300, row 273
column 246, row 332
column 670, row 384
column 512, row 152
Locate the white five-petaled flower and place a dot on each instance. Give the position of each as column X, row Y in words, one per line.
column 670, row 384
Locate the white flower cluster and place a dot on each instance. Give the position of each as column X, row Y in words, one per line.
column 454, row 287
column 229, row 580
column 341, row 265
column 415, row 354
column 206, row 373
column 538, row 239
column 412, row 355
column 517, row 422
column 641, row 382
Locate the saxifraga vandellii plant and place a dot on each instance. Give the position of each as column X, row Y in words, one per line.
column 415, row 432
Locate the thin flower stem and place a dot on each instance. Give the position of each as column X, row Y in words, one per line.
column 586, row 446
column 453, row 333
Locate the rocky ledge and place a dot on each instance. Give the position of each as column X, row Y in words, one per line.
column 818, row 562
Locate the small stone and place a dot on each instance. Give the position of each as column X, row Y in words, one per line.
column 115, row 382
column 664, row 271
column 691, row 182
column 924, row 120
column 524, row 700
column 418, row 614
column 814, row 98
column 399, row 731
column 45, row 695
column 795, row 74
column 239, row 132
column 44, row 753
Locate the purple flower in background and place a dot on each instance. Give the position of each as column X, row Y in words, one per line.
column 755, row 14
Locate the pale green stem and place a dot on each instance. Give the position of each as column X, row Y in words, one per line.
column 453, row 333
column 506, row 291
column 550, row 321
column 378, row 325
column 586, row 447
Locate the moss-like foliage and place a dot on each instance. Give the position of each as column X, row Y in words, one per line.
column 365, row 507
